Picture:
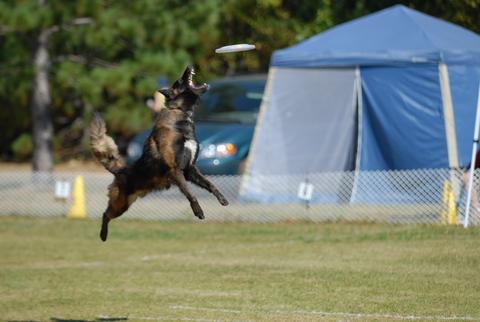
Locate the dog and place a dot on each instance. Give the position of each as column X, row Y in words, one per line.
column 169, row 154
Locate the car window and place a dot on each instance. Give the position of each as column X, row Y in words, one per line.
column 231, row 102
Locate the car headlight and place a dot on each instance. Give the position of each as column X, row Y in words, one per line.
column 217, row 151
column 134, row 150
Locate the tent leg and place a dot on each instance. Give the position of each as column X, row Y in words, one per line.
column 472, row 163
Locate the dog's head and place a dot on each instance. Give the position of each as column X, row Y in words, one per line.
column 183, row 94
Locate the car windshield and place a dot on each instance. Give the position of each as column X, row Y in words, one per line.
column 231, row 102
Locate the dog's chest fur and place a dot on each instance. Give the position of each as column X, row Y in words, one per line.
column 186, row 129
column 192, row 147
column 175, row 128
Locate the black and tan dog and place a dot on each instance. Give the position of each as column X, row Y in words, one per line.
column 169, row 154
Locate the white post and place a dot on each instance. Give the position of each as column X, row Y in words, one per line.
column 358, row 100
column 472, row 163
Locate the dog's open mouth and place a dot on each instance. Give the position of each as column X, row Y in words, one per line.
column 189, row 79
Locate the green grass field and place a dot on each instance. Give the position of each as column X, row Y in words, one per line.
column 58, row 269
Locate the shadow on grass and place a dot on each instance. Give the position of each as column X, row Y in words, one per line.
column 69, row 320
column 98, row 319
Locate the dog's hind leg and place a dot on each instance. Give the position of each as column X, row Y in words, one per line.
column 178, row 178
column 116, row 207
column 193, row 175
column 105, row 221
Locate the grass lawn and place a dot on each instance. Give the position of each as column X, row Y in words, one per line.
column 58, row 269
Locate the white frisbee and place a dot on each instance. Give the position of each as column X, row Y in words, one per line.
column 234, row 48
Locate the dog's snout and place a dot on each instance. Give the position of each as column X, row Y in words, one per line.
column 165, row 91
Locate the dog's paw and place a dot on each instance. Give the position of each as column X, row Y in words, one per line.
column 200, row 214
column 197, row 211
column 223, row 201
column 104, row 233
column 103, row 236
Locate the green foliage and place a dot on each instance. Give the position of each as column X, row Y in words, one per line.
column 110, row 62
column 463, row 12
column 270, row 25
column 22, row 147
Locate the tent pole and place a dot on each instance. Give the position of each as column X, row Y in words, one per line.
column 472, row 163
column 449, row 119
column 358, row 102
column 246, row 176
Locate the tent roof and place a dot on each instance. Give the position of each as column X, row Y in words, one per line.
column 396, row 35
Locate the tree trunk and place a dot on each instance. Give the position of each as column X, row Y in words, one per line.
column 41, row 100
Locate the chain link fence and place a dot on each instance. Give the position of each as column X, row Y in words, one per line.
column 415, row 196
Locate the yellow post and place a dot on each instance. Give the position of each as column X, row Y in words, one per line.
column 78, row 209
column 448, row 213
column 452, row 210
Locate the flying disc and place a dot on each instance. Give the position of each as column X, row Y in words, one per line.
column 234, row 48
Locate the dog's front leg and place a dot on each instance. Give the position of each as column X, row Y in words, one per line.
column 178, row 178
column 193, row 175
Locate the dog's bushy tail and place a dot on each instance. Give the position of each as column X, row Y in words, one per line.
column 103, row 147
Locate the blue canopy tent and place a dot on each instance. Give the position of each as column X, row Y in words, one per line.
column 393, row 90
